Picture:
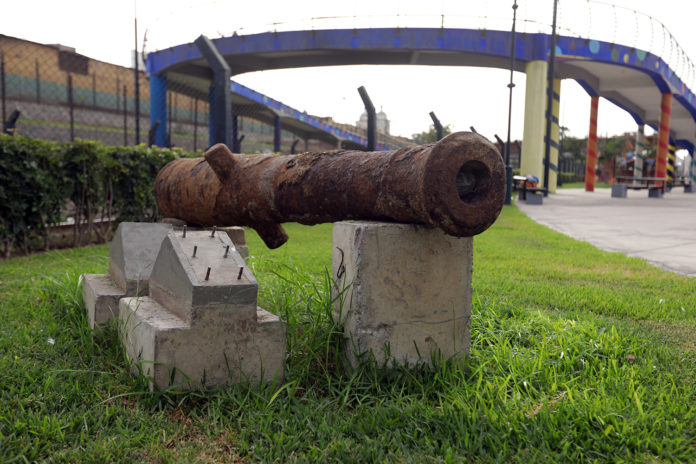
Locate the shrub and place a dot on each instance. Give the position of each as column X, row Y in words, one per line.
column 32, row 189
column 105, row 184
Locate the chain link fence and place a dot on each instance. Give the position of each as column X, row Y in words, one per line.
column 50, row 92
column 60, row 95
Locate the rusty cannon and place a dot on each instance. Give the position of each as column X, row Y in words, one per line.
column 456, row 184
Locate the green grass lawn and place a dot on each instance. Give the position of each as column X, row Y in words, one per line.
column 577, row 355
column 568, row 185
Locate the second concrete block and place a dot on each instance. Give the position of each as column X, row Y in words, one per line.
column 406, row 292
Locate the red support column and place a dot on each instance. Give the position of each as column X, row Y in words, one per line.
column 663, row 136
column 591, row 161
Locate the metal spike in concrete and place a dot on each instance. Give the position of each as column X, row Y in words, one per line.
column 200, row 325
column 237, row 234
column 131, row 255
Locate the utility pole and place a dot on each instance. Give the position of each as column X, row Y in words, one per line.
column 549, row 100
column 137, row 85
column 511, row 85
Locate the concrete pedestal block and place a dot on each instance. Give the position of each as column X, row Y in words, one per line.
column 176, row 354
column 619, row 190
column 101, row 296
column 200, row 325
column 535, row 198
column 407, row 293
column 238, row 237
column 689, row 188
column 654, row 192
column 131, row 255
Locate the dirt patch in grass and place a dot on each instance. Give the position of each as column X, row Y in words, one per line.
column 190, row 438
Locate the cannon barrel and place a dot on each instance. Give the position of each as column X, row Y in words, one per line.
column 456, row 184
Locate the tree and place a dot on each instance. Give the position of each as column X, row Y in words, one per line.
column 575, row 146
column 611, row 147
column 431, row 135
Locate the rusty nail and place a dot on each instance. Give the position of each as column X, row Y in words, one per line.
column 227, row 250
column 184, row 230
column 195, row 249
column 212, row 234
column 241, row 269
column 207, row 274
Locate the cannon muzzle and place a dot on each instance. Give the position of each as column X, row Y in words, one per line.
column 456, row 184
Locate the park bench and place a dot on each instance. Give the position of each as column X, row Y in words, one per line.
column 656, row 186
column 521, row 184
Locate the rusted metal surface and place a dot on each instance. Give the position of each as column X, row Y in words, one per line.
column 456, row 184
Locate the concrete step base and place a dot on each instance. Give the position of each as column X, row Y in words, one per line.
column 101, row 296
column 131, row 256
column 172, row 353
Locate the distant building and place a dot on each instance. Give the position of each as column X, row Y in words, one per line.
column 382, row 122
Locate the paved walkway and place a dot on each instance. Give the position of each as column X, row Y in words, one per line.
column 660, row 230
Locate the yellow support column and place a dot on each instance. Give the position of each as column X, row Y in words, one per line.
column 534, row 120
column 555, row 134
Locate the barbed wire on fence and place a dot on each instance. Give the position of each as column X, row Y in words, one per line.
column 62, row 95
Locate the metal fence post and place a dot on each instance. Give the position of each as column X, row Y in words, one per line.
column 437, row 124
column 38, row 82
column 2, row 88
column 371, row 119
column 125, row 117
column 169, row 118
column 136, row 84
column 195, row 123
column 71, row 108
column 276, row 134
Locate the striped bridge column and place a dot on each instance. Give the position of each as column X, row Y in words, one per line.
column 671, row 154
column 639, row 155
column 591, row 161
column 663, row 135
column 555, row 135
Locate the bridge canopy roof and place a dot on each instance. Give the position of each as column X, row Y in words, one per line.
column 631, row 78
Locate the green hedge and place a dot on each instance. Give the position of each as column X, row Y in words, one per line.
column 569, row 177
column 39, row 179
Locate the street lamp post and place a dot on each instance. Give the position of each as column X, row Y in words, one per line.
column 549, row 100
column 511, row 85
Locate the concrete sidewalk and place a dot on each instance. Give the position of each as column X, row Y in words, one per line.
column 660, row 230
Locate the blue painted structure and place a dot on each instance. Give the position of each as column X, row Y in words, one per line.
column 631, row 78
column 158, row 108
column 266, row 109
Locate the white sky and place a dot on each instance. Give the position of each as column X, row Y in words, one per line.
column 461, row 97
